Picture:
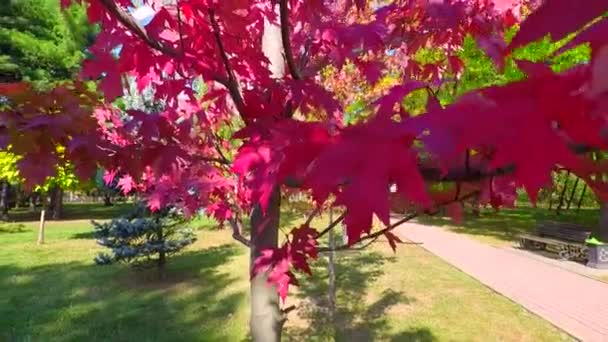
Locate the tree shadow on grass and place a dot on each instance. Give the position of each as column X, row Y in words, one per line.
column 506, row 224
column 84, row 235
column 415, row 335
column 12, row 228
column 356, row 319
column 84, row 302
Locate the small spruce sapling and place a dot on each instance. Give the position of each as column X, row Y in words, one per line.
column 143, row 238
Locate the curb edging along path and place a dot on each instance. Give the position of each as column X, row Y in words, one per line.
column 572, row 302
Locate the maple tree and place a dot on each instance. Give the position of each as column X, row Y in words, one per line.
column 269, row 71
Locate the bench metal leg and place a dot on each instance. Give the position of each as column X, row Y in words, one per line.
column 565, row 253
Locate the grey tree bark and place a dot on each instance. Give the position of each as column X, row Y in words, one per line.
column 33, row 202
column 572, row 193
column 55, row 204
column 4, row 194
column 562, row 194
column 18, row 196
column 580, row 199
column 266, row 319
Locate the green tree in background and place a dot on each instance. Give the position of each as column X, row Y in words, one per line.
column 8, row 176
column 39, row 43
column 43, row 45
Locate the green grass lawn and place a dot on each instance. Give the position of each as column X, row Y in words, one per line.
column 54, row 292
column 501, row 228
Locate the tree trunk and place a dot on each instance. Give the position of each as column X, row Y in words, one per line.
column 162, row 256
column 563, row 193
column 4, row 184
column 162, row 259
column 602, row 229
column 58, row 204
column 33, row 202
column 18, row 196
column 266, row 320
column 107, row 200
column 572, row 193
column 580, row 200
column 50, row 201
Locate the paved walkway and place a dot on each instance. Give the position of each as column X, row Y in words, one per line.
column 575, row 303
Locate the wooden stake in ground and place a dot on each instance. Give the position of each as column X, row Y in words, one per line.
column 331, row 268
column 41, row 229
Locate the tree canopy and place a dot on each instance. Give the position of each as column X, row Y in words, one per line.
column 40, row 43
column 278, row 76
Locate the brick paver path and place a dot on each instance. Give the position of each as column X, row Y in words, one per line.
column 575, row 303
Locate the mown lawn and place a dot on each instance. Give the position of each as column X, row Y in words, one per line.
column 54, row 292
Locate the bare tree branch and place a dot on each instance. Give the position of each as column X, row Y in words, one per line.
column 376, row 235
column 179, row 25
column 231, row 83
column 237, row 232
column 312, row 215
column 359, row 248
column 331, row 225
column 130, row 23
column 284, row 17
column 373, row 237
column 463, row 175
column 212, row 159
column 222, row 155
column 304, row 57
column 431, row 174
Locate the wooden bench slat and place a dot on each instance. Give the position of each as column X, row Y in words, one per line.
column 549, row 240
column 563, row 231
column 566, row 239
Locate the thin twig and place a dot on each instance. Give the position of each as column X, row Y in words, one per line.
column 179, row 26
column 359, row 248
column 376, row 235
column 373, row 236
column 130, row 23
column 237, row 229
column 312, row 216
column 331, row 225
column 432, row 174
column 463, row 175
column 212, row 159
column 284, row 17
column 231, row 83
column 304, row 57
column 222, row 155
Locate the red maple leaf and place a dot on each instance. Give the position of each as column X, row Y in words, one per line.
column 126, row 184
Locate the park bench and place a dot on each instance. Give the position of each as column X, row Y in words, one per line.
column 565, row 239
